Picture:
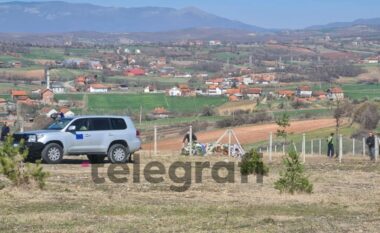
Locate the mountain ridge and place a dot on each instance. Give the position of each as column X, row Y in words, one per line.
column 59, row 16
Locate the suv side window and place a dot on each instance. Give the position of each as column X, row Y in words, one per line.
column 81, row 124
column 118, row 124
column 98, row 124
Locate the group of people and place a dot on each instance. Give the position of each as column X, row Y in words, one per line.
column 370, row 142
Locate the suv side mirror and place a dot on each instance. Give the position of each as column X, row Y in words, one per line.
column 72, row 128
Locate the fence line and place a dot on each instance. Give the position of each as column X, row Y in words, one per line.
column 345, row 146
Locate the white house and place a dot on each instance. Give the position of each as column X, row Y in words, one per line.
column 175, row 91
column 98, row 88
column 304, row 92
column 48, row 112
column 214, row 91
column 247, row 80
column 335, row 93
column 57, row 88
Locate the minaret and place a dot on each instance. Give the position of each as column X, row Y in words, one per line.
column 47, row 78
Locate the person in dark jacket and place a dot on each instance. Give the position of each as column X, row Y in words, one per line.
column 370, row 141
column 4, row 132
column 186, row 139
column 330, row 146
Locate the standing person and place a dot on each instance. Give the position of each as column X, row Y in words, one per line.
column 330, row 146
column 370, row 141
column 186, row 139
column 4, row 131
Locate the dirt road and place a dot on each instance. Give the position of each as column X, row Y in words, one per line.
column 247, row 134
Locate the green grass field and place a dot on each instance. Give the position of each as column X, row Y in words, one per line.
column 68, row 97
column 100, row 103
column 360, row 91
column 45, row 53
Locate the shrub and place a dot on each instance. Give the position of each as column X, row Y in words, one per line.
column 367, row 115
column 293, row 179
column 13, row 167
column 252, row 163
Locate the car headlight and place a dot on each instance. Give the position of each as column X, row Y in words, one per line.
column 32, row 138
column 35, row 138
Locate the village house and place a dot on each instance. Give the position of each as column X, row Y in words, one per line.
column 47, row 96
column 150, row 89
column 214, row 42
column 48, row 112
column 98, row 88
column 304, row 92
column 321, row 95
column 174, row 91
column 372, row 60
column 18, row 94
column 252, row 93
column 216, row 81
column 57, row 87
column 95, row 65
column 247, row 80
column 185, row 90
column 234, row 92
column 160, row 112
column 214, row 90
column 285, row 93
column 135, row 72
column 264, row 78
column 67, row 112
column 182, row 75
column 335, row 93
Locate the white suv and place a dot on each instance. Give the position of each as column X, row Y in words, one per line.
column 94, row 136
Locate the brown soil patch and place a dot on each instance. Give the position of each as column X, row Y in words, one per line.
column 247, row 134
column 228, row 108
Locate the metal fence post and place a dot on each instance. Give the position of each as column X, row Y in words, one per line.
column 155, row 140
column 312, row 147
column 304, row 147
column 363, row 146
column 353, row 146
column 320, row 146
column 191, row 140
column 376, row 147
column 340, row 148
column 229, row 142
column 270, row 146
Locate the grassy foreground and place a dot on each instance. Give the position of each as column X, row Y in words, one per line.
column 346, row 199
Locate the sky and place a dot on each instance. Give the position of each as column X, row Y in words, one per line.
column 290, row 14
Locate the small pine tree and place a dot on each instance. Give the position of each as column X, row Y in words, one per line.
column 293, row 179
column 252, row 163
column 13, row 167
column 283, row 123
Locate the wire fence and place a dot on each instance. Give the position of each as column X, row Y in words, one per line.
column 229, row 142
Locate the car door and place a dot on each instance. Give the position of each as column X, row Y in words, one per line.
column 100, row 133
column 79, row 141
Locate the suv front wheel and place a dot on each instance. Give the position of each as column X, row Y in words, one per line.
column 52, row 153
column 118, row 153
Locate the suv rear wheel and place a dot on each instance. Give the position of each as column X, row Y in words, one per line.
column 96, row 158
column 118, row 153
column 52, row 153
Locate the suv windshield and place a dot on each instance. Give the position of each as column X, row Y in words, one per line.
column 59, row 124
